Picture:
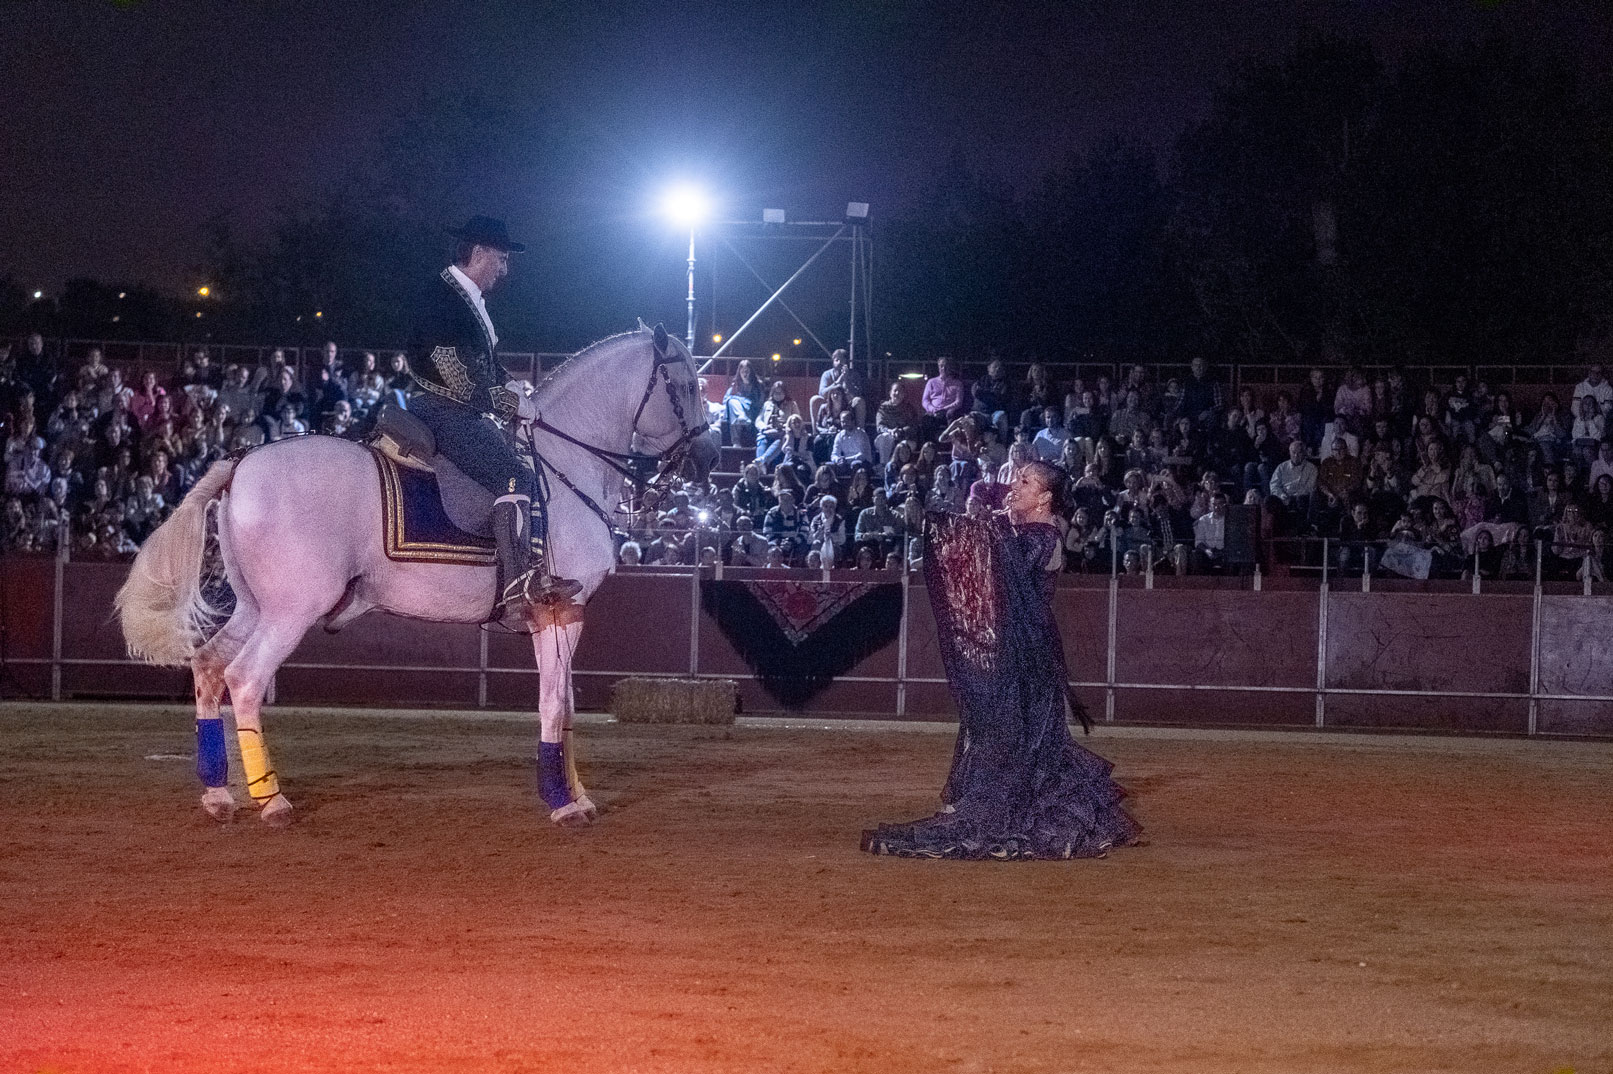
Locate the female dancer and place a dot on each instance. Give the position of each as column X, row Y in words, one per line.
column 1020, row 787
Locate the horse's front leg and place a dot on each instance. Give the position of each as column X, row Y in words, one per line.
column 558, row 784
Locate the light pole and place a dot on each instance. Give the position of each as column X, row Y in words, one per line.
column 689, row 336
column 687, row 206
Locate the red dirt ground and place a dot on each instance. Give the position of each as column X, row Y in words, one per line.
column 1304, row 904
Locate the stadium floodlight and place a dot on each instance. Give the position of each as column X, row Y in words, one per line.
column 686, row 206
column 772, row 216
column 856, row 210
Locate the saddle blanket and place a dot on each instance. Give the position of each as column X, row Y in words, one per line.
column 414, row 525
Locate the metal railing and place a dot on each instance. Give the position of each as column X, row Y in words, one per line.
column 166, row 357
column 1126, row 602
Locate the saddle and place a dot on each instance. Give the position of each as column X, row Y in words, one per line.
column 431, row 511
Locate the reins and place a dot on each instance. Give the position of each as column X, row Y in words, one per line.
column 632, row 466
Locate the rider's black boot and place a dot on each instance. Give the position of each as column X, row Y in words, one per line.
column 524, row 585
column 514, row 550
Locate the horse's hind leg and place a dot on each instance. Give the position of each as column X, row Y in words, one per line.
column 207, row 668
column 247, row 677
column 212, row 758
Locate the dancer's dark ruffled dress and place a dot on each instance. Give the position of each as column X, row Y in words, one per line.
column 1020, row 787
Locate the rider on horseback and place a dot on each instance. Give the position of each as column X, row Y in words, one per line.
column 460, row 389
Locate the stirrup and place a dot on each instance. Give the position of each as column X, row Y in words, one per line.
column 545, row 588
column 535, row 587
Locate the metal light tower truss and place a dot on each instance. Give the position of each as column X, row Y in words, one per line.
column 824, row 234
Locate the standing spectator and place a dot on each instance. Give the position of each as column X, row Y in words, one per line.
column 943, row 399
column 1201, row 394
column 37, row 373
column 1315, row 410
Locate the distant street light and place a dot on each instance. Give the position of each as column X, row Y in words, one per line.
column 38, row 295
column 687, row 207
column 203, row 291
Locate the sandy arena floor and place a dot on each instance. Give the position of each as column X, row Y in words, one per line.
column 1305, row 904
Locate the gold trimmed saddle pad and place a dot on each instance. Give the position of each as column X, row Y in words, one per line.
column 415, row 527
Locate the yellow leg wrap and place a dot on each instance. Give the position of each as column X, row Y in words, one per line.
column 261, row 782
column 571, row 766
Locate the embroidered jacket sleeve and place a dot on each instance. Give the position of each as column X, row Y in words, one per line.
column 450, row 354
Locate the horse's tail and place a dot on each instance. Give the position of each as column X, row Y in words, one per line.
column 161, row 607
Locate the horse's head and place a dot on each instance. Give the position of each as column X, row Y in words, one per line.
column 671, row 418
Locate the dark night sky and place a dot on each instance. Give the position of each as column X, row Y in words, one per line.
column 125, row 127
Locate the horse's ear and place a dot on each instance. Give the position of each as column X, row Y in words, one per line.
column 641, row 325
column 660, row 337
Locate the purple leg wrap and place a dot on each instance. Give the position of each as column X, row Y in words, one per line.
column 212, row 762
column 553, row 786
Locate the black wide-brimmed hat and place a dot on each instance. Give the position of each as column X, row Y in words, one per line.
column 486, row 231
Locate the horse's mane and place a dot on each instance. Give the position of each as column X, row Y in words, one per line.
column 552, row 378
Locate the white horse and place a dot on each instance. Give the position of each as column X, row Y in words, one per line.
column 299, row 532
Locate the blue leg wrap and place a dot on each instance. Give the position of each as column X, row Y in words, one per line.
column 553, row 786
column 212, row 762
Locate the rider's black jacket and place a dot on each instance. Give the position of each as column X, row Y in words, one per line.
column 451, row 354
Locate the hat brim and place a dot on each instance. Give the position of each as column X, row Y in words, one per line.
column 484, row 240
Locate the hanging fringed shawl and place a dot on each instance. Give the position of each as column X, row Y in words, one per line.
column 798, row 634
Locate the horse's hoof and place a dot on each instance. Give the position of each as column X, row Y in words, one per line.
column 572, row 815
column 588, row 806
column 276, row 812
column 219, row 804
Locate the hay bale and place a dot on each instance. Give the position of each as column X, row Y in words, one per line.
column 704, row 701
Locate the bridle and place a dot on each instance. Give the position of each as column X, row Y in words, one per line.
column 644, row 472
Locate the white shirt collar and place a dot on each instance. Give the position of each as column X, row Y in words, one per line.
column 475, row 294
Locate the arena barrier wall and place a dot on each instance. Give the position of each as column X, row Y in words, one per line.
column 1519, row 658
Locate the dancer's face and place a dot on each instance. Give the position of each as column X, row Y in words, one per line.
column 1027, row 495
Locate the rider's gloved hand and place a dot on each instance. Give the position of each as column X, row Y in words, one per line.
column 526, row 406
